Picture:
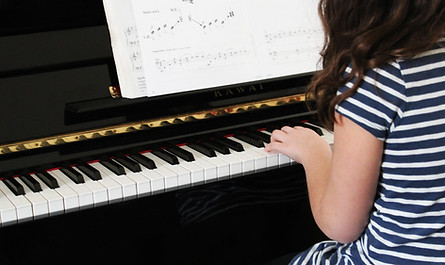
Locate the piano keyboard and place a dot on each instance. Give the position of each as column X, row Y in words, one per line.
column 124, row 177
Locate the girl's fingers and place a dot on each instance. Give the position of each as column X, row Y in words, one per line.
column 288, row 129
column 277, row 136
column 275, row 147
column 277, row 139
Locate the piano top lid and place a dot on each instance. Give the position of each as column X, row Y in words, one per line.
column 59, row 66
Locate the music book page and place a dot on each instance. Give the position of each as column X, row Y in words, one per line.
column 170, row 46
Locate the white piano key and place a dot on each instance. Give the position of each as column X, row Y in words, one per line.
column 235, row 165
column 247, row 162
column 69, row 196
column 55, row 201
column 170, row 177
column 196, row 172
column 143, row 183
column 99, row 192
column 260, row 161
column 8, row 211
column 182, row 174
column 221, row 167
column 272, row 159
column 126, row 185
column 213, row 171
column 114, row 190
column 157, row 181
column 84, row 194
column 23, row 206
column 38, row 202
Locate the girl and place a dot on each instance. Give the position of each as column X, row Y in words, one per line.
column 380, row 193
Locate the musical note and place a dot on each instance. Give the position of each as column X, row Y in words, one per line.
column 292, row 45
column 164, row 29
column 302, row 34
column 290, row 55
column 134, row 51
column 198, row 61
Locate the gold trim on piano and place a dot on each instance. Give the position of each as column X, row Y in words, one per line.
column 144, row 125
column 115, row 91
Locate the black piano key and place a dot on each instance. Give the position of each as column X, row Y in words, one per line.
column 278, row 126
column 184, row 154
column 14, row 186
column 49, row 180
column 273, row 126
column 203, row 149
column 128, row 163
column 88, row 170
column 230, row 144
column 113, row 166
column 31, row 182
column 143, row 160
column 265, row 136
column 73, row 174
column 217, row 147
column 250, row 140
column 260, row 136
column 315, row 129
column 169, row 158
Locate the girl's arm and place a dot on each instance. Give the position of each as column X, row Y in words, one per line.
column 342, row 184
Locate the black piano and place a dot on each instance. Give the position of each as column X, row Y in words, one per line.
column 88, row 177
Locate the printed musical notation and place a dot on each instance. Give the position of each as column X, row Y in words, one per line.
column 290, row 55
column 193, row 35
column 302, row 34
column 295, row 45
column 181, row 22
column 199, row 61
column 205, row 24
column 134, row 50
column 132, row 37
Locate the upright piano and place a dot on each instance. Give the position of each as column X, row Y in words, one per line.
column 88, row 177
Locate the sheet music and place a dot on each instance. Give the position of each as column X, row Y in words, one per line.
column 126, row 47
column 170, row 46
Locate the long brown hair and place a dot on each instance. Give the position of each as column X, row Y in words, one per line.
column 366, row 34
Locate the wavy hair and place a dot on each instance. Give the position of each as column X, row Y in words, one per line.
column 365, row 34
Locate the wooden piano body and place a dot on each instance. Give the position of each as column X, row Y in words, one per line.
column 57, row 111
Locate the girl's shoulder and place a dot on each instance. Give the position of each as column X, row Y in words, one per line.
column 427, row 64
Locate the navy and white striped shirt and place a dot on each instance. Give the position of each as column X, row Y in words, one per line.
column 402, row 104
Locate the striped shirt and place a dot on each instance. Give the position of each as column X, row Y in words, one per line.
column 402, row 104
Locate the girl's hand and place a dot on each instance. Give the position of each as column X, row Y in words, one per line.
column 299, row 143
